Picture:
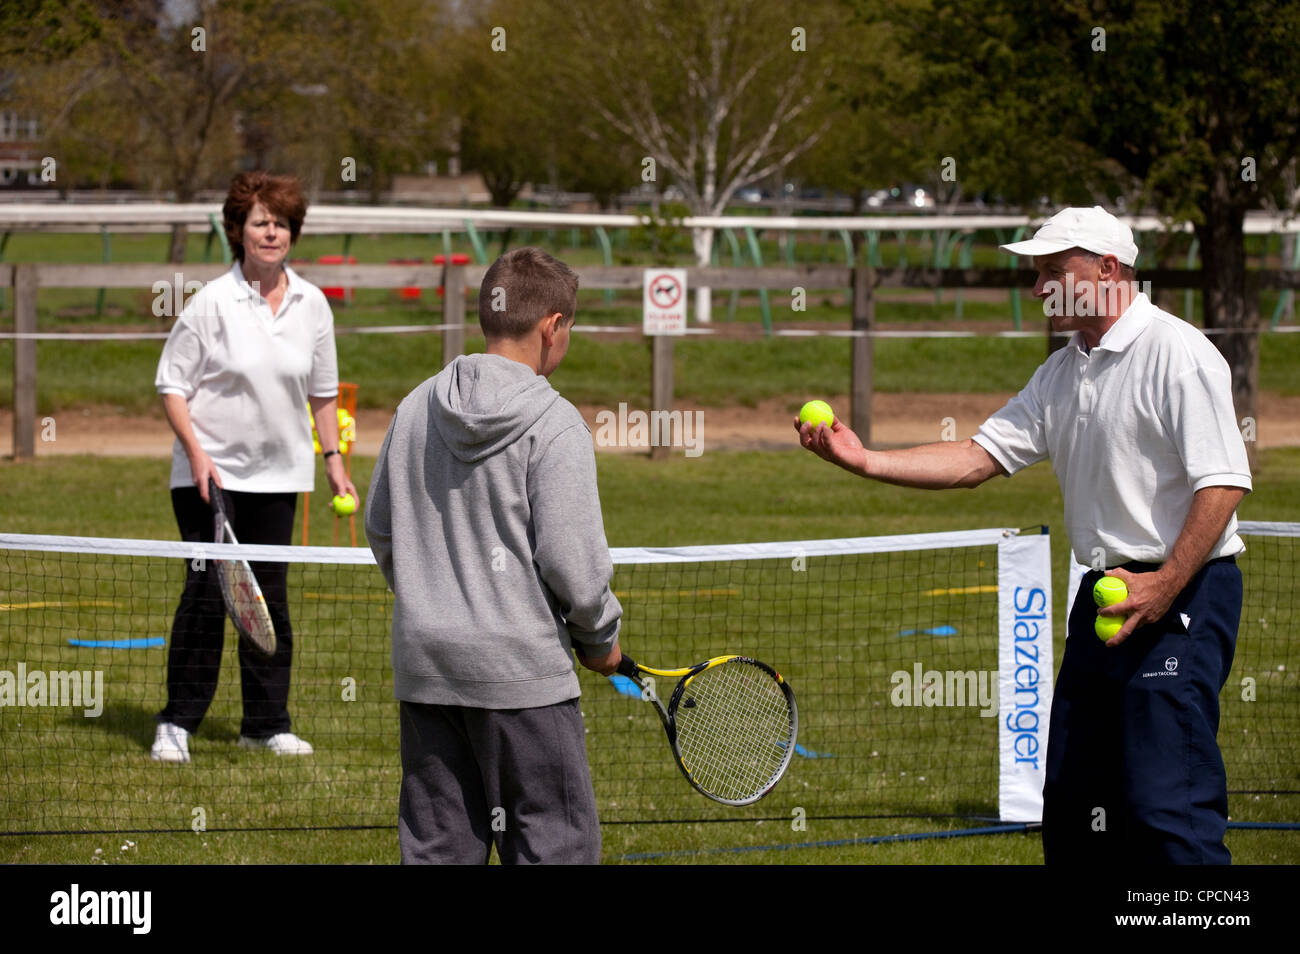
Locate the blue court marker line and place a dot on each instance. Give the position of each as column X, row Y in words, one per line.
column 144, row 642
column 836, row 843
column 937, row 631
column 626, row 686
column 810, row 754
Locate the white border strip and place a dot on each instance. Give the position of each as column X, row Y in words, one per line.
column 361, row 556
column 1267, row 528
column 1025, row 673
column 112, row 546
column 795, row 548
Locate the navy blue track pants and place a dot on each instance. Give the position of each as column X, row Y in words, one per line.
column 1133, row 766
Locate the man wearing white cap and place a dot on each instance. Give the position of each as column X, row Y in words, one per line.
column 1136, row 416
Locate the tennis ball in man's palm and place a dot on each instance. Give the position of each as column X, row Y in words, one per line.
column 1107, row 626
column 816, row 412
column 1109, row 590
column 345, row 506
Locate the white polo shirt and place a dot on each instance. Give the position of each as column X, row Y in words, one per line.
column 1133, row 430
column 246, row 375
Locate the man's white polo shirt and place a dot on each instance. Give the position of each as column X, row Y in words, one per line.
column 1133, row 430
column 246, row 375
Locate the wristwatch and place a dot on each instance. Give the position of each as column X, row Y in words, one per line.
column 328, row 454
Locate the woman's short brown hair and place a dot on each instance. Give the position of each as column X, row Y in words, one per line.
column 281, row 195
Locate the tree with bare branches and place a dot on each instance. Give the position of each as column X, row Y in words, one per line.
column 716, row 94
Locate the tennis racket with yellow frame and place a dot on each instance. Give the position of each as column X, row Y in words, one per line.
column 731, row 721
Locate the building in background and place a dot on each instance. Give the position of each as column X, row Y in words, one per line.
column 20, row 157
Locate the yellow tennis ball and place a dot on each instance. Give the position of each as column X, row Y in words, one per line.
column 344, row 506
column 1108, row 626
column 816, row 412
column 1109, row 590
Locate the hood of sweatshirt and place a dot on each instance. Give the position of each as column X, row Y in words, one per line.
column 484, row 402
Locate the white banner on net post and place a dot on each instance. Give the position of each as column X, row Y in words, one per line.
column 1024, row 674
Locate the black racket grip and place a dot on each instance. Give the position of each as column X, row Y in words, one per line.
column 627, row 666
column 214, row 495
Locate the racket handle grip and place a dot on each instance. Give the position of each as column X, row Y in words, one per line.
column 627, row 666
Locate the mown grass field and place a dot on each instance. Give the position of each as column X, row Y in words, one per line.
column 834, row 633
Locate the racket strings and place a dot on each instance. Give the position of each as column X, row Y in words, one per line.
column 733, row 730
column 247, row 606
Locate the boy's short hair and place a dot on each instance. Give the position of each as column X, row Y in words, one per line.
column 521, row 288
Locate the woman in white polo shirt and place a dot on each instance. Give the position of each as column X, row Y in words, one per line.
column 249, row 351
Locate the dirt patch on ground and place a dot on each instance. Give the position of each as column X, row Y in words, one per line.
column 897, row 419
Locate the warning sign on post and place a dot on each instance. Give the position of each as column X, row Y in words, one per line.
column 664, row 303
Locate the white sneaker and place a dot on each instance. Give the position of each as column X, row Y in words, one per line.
column 286, row 743
column 171, row 743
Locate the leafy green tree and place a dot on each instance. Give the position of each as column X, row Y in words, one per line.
column 501, row 106
column 1187, row 107
column 380, row 82
column 158, row 87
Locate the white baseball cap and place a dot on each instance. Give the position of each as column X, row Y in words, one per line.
column 1094, row 230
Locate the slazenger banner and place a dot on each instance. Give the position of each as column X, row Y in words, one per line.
column 1024, row 674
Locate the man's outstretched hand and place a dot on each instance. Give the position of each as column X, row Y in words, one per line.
column 837, row 444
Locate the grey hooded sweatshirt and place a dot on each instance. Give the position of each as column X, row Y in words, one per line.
column 484, row 517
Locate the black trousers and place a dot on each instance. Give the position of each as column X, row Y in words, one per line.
column 198, row 630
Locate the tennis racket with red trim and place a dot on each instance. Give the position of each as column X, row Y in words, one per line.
column 239, row 588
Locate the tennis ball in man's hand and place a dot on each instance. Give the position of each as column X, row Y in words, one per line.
column 1109, row 590
column 345, row 506
column 1108, row 626
column 816, row 412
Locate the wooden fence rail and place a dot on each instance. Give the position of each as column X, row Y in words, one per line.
column 26, row 280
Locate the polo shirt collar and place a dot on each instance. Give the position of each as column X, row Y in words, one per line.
column 1124, row 332
column 1132, row 323
column 244, row 291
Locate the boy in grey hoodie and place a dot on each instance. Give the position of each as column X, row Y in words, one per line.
column 484, row 517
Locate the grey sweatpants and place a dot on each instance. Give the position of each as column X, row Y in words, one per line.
column 514, row 777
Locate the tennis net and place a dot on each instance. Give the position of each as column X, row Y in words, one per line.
column 890, row 644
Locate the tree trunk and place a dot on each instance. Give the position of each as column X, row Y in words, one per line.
column 703, row 242
column 180, row 233
column 1230, row 303
column 176, row 250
